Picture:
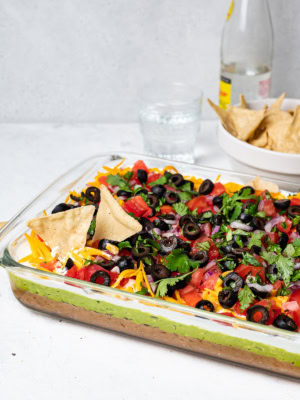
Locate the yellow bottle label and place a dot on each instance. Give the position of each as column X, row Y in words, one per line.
column 225, row 92
column 230, row 10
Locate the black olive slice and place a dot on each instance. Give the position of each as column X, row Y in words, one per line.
column 69, row 263
column 282, row 204
column 140, row 251
column 258, row 223
column 176, row 179
column 61, row 207
column 171, row 198
column 146, row 224
column 201, row 256
column 282, row 321
column 153, row 200
column 125, row 263
column 206, row 187
column 142, row 175
column 167, row 244
column 104, row 242
column 283, row 241
column 93, row 194
column 159, row 271
column 167, row 217
column 226, row 265
column 205, row 305
column 182, row 244
column 159, row 190
column 147, row 261
column 258, row 314
column 107, row 264
column 298, row 228
column 226, row 249
column 250, row 188
column 141, row 190
column 217, row 219
column 244, row 217
column 234, row 281
column 123, row 193
column 293, row 211
column 162, row 225
column 272, row 269
column 75, row 198
column 227, row 298
column 218, row 201
column 239, row 251
column 191, row 231
column 101, row 274
column 185, row 219
column 256, row 249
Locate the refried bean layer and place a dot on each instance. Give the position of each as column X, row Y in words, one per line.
column 126, row 326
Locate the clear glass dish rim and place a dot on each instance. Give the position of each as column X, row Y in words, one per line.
column 14, row 265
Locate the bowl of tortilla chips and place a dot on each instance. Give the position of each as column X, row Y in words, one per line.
column 264, row 134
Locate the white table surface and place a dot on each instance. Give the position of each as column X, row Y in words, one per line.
column 45, row 358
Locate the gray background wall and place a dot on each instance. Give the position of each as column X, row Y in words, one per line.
column 84, row 60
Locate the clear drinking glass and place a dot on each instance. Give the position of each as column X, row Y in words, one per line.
column 170, row 120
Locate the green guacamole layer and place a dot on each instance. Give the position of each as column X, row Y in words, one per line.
column 143, row 318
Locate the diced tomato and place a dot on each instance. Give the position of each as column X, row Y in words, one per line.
column 295, row 202
column 218, row 189
column 273, row 313
column 243, row 270
column 213, row 251
column 72, row 272
column 277, row 285
column 153, row 177
column 295, row 296
column 124, row 253
column 187, row 289
column 91, row 269
column 269, row 208
column 197, row 278
column 191, row 298
column 137, row 206
column 198, row 202
column 285, row 226
column 139, row 165
column 102, row 180
column 50, row 265
column 238, row 310
column 81, row 274
column 273, row 237
column 210, row 283
column 167, row 210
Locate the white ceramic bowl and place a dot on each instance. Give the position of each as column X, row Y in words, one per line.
column 257, row 157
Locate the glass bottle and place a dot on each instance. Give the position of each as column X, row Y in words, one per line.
column 246, row 52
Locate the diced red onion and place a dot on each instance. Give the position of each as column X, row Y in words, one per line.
column 240, row 225
column 210, row 265
column 115, row 258
column 262, row 288
column 157, row 231
column 216, row 229
column 115, row 269
column 295, row 286
column 216, row 209
column 274, row 221
column 170, row 222
column 294, row 235
column 261, row 205
column 168, row 234
column 297, row 266
column 290, row 306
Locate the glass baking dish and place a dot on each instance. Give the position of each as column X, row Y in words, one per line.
column 187, row 328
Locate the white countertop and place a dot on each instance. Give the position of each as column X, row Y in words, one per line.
column 45, row 357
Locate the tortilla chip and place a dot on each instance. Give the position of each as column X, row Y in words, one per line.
column 64, row 231
column 289, row 142
column 112, row 222
column 224, row 117
column 246, row 121
column 260, row 140
column 276, row 106
column 258, row 184
column 243, row 103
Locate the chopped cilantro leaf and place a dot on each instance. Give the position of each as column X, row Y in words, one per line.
column 180, row 209
column 260, row 214
column 296, row 242
column 92, row 227
column 246, row 297
column 163, row 284
column 255, row 239
column 177, row 260
column 128, row 175
column 184, row 196
column 296, row 221
column 249, row 259
column 285, row 268
column 186, row 187
column 117, row 180
column 205, row 246
column 289, row 250
column 283, row 291
column 124, row 245
column 142, row 291
column 160, row 181
column 296, row 276
column 269, row 257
